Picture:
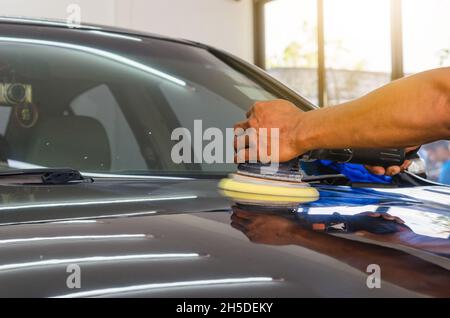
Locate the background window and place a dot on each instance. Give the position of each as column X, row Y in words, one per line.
column 291, row 44
column 357, row 47
column 437, row 158
column 365, row 44
column 426, row 45
column 426, row 34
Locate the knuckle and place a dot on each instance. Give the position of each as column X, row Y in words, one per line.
column 258, row 106
column 252, row 122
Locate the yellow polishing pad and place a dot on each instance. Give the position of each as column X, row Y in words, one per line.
column 268, row 189
column 264, row 198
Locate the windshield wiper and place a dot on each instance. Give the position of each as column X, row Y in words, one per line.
column 48, row 176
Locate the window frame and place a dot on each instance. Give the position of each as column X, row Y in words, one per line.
column 396, row 43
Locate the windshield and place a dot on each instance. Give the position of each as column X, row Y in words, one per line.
column 105, row 111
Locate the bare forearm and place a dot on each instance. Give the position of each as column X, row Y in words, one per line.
column 408, row 112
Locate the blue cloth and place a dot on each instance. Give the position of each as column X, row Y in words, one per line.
column 444, row 176
column 358, row 173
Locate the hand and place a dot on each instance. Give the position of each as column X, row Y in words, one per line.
column 264, row 228
column 385, row 216
column 385, row 237
column 392, row 170
column 279, row 114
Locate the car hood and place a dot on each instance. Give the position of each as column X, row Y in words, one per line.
column 164, row 238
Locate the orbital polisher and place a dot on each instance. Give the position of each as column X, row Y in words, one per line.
column 287, row 182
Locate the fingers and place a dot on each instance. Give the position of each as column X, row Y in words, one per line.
column 376, row 170
column 385, row 216
column 372, row 214
column 252, row 150
column 255, row 145
column 389, row 171
column 240, row 143
column 243, row 214
column 250, row 111
column 406, row 164
column 251, row 121
column 245, row 136
column 242, row 124
column 389, row 217
column 393, row 170
column 399, row 220
column 247, row 220
column 409, row 149
column 256, row 139
column 255, row 107
column 237, row 219
column 248, row 149
column 243, row 155
column 245, row 139
column 243, row 219
column 239, row 223
column 239, row 227
column 250, row 235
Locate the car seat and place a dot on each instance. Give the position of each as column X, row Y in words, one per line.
column 78, row 142
column 4, row 150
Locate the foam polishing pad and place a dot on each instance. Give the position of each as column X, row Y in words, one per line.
column 266, row 200
column 268, row 189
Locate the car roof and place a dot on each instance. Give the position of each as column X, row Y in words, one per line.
column 59, row 23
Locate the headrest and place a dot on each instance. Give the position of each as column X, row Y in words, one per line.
column 77, row 142
column 4, row 149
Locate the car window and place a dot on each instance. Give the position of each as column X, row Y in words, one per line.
column 207, row 106
column 98, row 110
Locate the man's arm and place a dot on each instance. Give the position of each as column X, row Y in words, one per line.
column 407, row 112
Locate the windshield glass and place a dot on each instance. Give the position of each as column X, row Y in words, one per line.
column 105, row 111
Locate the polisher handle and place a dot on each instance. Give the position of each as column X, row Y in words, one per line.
column 367, row 156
